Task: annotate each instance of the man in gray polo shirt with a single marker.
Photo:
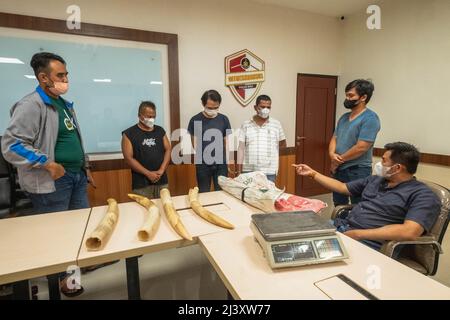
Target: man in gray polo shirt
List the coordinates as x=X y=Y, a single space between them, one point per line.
x=393 y=206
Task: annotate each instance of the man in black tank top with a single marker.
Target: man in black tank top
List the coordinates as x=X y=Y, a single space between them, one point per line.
x=147 y=149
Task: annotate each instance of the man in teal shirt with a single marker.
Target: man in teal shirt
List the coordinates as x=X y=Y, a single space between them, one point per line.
x=351 y=146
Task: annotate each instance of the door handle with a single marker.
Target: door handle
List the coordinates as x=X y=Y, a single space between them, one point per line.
x=300 y=138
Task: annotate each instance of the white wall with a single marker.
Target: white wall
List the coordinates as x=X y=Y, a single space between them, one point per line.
x=290 y=42
x=408 y=61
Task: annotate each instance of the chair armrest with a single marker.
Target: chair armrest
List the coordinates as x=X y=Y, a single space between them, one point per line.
x=339 y=210
x=389 y=247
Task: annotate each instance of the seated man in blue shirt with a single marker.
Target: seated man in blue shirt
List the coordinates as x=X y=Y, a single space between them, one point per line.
x=393 y=206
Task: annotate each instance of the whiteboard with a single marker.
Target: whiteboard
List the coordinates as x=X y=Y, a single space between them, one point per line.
x=108 y=79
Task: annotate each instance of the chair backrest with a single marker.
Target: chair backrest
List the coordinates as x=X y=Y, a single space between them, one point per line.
x=440 y=226
x=5 y=186
x=426 y=255
x=4 y=165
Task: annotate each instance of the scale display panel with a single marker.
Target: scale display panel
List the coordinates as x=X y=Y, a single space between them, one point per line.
x=289 y=252
x=328 y=248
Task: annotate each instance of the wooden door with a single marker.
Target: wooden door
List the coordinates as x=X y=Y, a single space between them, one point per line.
x=315 y=119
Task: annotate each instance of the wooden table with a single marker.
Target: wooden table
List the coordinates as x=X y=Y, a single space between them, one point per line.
x=40 y=245
x=124 y=243
x=239 y=261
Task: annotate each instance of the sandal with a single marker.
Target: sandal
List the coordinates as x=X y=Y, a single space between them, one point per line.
x=70 y=293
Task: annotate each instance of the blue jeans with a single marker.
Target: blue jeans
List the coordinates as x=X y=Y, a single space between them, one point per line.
x=206 y=172
x=70 y=194
x=346 y=175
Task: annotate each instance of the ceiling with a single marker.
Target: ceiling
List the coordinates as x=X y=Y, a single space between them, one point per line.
x=335 y=8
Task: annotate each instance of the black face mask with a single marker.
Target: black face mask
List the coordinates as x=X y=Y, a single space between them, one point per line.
x=350 y=104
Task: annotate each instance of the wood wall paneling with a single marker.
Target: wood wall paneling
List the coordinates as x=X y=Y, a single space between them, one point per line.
x=116 y=183
x=113 y=177
x=430 y=158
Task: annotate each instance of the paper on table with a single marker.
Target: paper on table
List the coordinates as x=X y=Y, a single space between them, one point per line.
x=339 y=287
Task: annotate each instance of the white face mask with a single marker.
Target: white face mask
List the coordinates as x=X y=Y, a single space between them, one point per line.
x=264 y=112
x=149 y=122
x=382 y=171
x=211 y=112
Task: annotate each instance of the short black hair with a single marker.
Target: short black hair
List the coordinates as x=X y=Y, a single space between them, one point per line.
x=146 y=104
x=405 y=154
x=262 y=97
x=362 y=87
x=211 y=95
x=40 y=61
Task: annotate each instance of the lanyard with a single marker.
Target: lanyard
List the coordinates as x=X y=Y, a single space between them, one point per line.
x=70 y=119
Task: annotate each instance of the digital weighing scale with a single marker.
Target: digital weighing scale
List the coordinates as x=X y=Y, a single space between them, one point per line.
x=297 y=238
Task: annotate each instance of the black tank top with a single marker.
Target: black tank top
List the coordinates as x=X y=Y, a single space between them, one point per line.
x=148 y=150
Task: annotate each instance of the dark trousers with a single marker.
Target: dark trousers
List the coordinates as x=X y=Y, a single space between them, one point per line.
x=207 y=172
x=346 y=175
x=342 y=227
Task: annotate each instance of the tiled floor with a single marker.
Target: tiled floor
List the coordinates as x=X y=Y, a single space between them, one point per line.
x=183 y=273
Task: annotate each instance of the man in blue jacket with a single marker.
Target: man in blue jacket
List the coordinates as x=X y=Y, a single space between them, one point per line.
x=43 y=141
